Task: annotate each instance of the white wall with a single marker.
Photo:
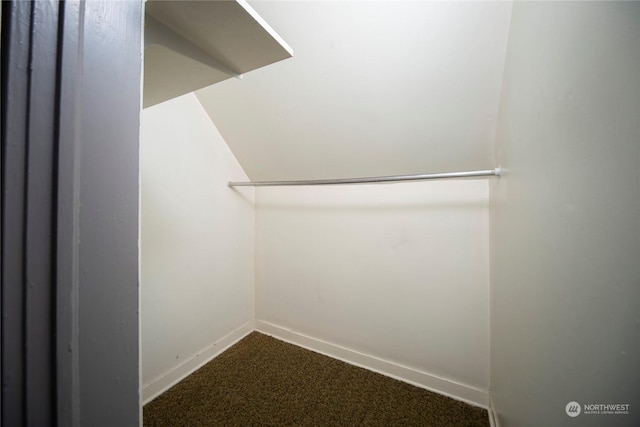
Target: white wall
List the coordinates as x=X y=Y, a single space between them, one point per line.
x=565 y=216
x=398 y=272
x=197 y=242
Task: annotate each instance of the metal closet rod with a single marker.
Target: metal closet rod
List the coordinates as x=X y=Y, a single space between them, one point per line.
x=372 y=179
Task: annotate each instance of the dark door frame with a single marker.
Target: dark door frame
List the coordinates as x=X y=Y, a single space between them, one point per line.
x=71 y=102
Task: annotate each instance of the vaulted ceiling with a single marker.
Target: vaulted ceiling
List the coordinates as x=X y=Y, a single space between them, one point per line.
x=373 y=88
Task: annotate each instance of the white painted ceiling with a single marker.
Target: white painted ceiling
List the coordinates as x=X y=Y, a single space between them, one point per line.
x=373 y=88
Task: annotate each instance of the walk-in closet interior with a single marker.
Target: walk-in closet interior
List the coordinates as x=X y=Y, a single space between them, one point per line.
x=514 y=287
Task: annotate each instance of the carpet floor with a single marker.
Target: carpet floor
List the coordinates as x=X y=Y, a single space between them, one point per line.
x=262 y=381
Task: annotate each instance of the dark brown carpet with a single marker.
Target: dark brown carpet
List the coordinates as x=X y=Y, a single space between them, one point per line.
x=262 y=381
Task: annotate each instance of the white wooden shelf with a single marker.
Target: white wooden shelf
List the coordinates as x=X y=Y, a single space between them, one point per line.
x=193 y=44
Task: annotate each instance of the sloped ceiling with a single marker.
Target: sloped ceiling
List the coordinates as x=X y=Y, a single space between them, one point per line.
x=373 y=88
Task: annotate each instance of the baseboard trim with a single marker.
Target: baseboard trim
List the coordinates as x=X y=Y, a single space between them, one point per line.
x=493 y=417
x=165 y=381
x=463 y=392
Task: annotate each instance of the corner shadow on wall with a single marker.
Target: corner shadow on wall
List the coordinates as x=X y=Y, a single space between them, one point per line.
x=243 y=193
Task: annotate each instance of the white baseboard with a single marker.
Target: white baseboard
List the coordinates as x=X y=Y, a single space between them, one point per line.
x=165 y=381
x=447 y=387
x=455 y=390
x=493 y=417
